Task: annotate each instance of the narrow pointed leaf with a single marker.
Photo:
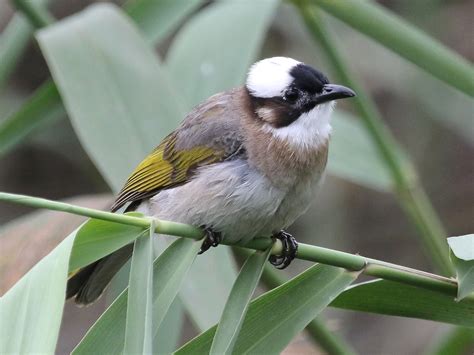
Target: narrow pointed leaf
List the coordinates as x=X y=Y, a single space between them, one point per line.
x=138 y=328
x=32 y=309
x=462 y=256
x=396 y=299
x=236 y=306
x=169 y=269
x=274 y=318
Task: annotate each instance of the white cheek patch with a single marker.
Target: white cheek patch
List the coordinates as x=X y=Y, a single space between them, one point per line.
x=270 y=77
x=309 y=131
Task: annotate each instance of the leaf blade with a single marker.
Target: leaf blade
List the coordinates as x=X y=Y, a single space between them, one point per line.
x=237 y=303
x=139 y=321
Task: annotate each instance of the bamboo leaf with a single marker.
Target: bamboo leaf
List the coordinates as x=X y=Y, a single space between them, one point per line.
x=169 y=269
x=212 y=69
x=462 y=256
x=408 y=41
x=104 y=91
x=156 y=19
x=456 y=341
x=237 y=303
x=33 y=308
x=396 y=299
x=139 y=322
x=43 y=107
x=274 y=318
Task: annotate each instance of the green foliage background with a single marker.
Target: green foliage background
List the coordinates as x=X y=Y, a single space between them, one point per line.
x=121 y=99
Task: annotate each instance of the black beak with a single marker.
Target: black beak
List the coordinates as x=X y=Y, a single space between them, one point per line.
x=334 y=92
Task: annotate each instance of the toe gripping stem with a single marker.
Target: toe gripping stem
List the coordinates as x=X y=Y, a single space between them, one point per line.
x=211 y=239
x=290 y=250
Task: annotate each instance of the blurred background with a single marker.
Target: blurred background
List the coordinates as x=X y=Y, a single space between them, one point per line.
x=432 y=121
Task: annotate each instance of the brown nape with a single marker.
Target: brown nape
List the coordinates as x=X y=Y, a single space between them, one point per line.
x=280 y=161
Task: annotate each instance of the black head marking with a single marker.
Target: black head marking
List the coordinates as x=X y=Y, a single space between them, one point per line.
x=308 y=79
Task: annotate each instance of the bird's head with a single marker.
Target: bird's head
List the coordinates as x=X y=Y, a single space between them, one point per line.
x=293 y=100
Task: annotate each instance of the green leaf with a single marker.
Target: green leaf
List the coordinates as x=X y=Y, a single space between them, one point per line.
x=98 y=238
x=396 y=299
x=33 y=308
x=237 y=303
x=222 y=40
x=169 y=269
x=353 y=156
x=41 y=108
x=139 y=322
x=409 y=42
x=274 y=318
x=462 y=256
x=156 y=19
x=116 y=102
x=169 y=333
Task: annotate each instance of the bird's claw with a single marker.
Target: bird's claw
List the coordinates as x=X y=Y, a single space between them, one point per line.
x=212 y=239
x=290 y=249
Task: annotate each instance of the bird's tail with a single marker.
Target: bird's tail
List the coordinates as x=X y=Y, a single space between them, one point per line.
x=88 y=284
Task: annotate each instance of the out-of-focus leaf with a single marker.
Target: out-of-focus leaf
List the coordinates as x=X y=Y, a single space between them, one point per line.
x=139 y=321
x=107 y=334
x=236 y=306
x=222 y=40
x=352 y=155
x=396 y=34
x=156 y=19
x=117 y=103
x=42 y=107
x=33 y=308
x=274 y=318
x=168 y=334
x=396 y=299
x=462 y=256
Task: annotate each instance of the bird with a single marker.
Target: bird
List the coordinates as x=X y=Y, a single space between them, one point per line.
x=244 y=163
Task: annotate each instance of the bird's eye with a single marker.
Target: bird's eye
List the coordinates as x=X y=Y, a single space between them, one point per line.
x=291 y=95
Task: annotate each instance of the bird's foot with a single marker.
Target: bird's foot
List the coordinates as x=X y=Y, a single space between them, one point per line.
x=290 y=249
x=212 y=239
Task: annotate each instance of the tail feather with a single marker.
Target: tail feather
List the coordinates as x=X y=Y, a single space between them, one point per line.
x=89 y=283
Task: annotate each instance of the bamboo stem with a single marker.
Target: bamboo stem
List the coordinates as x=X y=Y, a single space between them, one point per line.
x=308 y=252
x=406 y=182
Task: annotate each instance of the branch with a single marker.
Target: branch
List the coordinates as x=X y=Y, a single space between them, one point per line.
x=307 y=252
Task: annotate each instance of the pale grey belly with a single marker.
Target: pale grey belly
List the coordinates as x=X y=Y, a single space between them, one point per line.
x=232 y=198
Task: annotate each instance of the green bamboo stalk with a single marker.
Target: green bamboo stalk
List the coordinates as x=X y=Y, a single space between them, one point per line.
x=312 y=253
x=408 y=190
x=405 y=39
